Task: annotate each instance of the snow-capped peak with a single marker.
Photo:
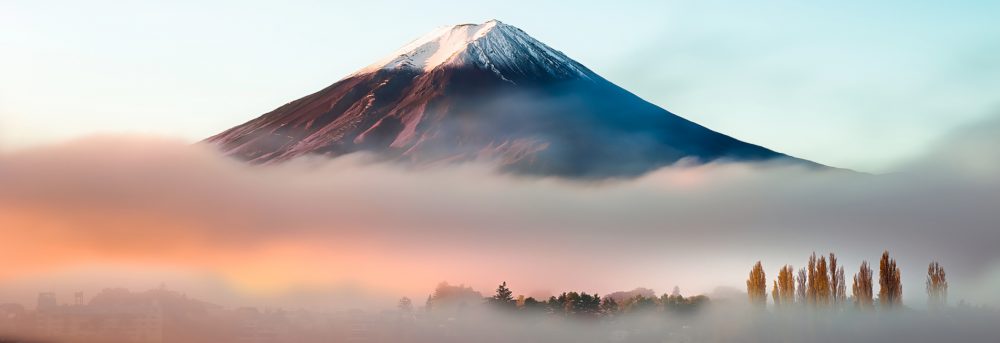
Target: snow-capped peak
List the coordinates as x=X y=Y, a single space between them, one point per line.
x=489 y=45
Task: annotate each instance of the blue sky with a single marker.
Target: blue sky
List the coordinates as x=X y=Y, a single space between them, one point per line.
x=848 y=83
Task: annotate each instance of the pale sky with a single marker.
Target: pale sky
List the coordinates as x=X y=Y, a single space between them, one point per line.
x=847 y=83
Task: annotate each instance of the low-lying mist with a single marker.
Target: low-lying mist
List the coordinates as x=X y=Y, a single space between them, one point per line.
x=718 y=322
x=140 y=211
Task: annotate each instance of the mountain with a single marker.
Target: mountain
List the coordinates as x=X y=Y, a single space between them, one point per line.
x=485 y=92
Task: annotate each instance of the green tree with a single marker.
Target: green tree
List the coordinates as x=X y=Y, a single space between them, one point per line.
x=609 y=307
x=531 y=305
x=565 y=304
x=680 y=304
x=503 y=297
x=569 y=301
x=575 y=304
x=588 y=305
x=556 y=305
x=639 y=304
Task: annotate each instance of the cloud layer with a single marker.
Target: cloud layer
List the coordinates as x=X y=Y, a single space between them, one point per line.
x=312 y=223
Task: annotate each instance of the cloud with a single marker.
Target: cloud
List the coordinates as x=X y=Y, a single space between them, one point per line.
x=969 y=151
x=314 y=222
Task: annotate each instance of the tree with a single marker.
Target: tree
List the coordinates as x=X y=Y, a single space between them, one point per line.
x=556 y=305
x=835 y=283
x=821 y=283
x=937 y=287
x=532 y=306
x=757 y=286
x=862 y=288
x=811 y=287
x=621 y=297
x=694 y=303
x=575 y=304
x=639 y=304
x=568 y=301
x=681 y=305
x=405 y=305
x=785 y=286
x=448 y=297
x=503 y=297
x=775 y=295
x=783 y=289
x=840 y=293
x=588 y=306
x=802 y=291
x=609 y=307
x=890 y=293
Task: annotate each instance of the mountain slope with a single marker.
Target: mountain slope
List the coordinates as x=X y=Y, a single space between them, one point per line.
x=485 y=92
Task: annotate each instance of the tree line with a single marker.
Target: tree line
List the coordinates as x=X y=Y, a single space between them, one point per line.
x=580 y=305
x=821 y=284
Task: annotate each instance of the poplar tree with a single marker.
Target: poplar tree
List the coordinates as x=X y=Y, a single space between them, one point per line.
x=841 y=290
x=811 y=287
x=890 y=293
x=862 y=288
x=785 y=286
x=937 y=287
x=822 y=283
x=802 y=291
x=835 y=283
x=775 y=296
x=757 y=286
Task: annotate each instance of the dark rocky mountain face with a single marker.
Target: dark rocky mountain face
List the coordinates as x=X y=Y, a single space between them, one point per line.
x=497 y=95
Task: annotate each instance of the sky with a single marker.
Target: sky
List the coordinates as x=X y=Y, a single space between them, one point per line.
x=100 y=101
x=852 y=84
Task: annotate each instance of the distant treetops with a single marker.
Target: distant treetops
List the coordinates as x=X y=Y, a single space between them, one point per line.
x=448 y=298
x=821 y=284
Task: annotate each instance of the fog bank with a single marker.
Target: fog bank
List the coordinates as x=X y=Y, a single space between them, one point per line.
x=186 y=214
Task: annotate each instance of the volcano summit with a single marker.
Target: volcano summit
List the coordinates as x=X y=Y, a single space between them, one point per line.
x=485 y=92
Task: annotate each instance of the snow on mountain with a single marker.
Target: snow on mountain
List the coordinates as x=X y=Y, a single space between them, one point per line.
x=486 y=45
